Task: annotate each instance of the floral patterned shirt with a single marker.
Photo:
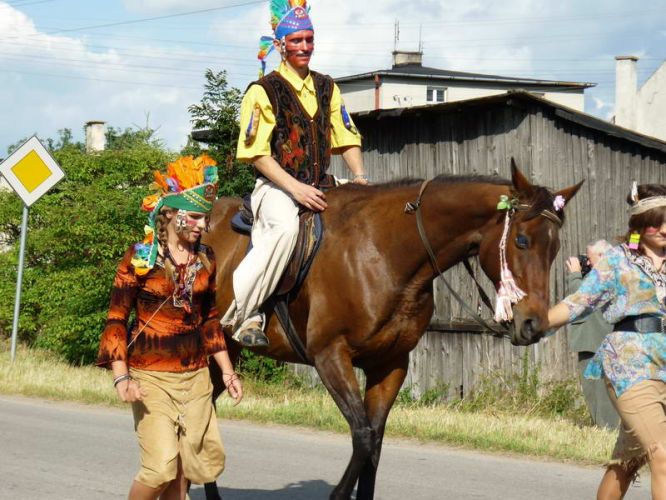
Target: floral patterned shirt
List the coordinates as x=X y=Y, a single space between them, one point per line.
x=624 y=283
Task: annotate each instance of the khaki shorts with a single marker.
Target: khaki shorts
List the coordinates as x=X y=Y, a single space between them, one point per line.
x=176 y=419
x=642 y=409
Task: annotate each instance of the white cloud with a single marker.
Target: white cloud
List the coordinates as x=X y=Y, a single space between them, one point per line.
x=565 y=40
x=62 y=82
x=157 y=7
x=601 y=105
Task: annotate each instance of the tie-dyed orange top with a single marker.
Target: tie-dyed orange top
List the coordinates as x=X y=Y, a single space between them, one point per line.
x=174 y=339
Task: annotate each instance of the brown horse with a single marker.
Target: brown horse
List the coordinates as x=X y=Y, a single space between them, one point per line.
x=368 y=297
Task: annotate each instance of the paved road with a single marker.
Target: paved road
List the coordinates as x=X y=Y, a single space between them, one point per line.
x=65 y=451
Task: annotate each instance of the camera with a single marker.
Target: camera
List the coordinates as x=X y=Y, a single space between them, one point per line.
x=585 y=265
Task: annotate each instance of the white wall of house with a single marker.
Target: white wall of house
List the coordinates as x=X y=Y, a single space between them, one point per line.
x=652 y=105
x=573 y=100
x=358 y=96
x=399 y=93
x=640 y=109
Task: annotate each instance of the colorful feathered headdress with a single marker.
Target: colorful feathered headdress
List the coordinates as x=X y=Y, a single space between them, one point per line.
x=189 y=184
x=287 y=16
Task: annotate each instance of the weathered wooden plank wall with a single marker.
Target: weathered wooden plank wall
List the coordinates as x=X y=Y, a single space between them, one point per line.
x=552 y=151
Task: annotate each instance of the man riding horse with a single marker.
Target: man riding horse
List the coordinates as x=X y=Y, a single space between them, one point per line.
x=292 y=120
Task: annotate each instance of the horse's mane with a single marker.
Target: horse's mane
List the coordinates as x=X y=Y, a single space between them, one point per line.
x=381 y=186
x=471 y=179
x=542 y=198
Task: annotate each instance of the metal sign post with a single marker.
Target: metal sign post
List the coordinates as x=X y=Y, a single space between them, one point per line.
x=19 y=280
x=31 y=171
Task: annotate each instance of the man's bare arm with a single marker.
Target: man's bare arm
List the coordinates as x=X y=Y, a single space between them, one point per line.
x=354 y=160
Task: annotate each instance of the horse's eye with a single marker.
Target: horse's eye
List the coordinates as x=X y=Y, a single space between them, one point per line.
x=522 y=241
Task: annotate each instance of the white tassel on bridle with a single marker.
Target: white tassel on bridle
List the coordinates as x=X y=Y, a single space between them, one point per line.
x=508 y=292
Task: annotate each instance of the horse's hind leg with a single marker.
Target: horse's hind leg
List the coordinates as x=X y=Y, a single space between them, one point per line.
x=335 y=369
x=382 y=386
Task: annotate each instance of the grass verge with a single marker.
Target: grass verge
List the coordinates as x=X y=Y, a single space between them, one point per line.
x=41 y=374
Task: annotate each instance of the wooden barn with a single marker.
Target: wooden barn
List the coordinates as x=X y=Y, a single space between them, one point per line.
x=556 y=147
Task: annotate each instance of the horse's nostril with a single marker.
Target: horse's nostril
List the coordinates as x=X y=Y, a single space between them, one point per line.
x=530 y=330
x=528 y=326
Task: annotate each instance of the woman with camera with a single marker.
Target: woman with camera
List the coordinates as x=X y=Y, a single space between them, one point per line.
x=586 y=334
x=628 y=285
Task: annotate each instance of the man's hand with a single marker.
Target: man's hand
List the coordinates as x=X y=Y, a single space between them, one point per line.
x=573 y=265
x=361 y=179
x=130 y=391
x=309 y=196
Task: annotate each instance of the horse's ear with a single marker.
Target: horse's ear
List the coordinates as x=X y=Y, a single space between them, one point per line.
x=519 y=181
x=570 y=192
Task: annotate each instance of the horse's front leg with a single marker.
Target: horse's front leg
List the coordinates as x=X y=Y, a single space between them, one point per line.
x=382 y=386
x=334 y=366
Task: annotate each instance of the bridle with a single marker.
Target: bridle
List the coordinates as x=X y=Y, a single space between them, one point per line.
x=496 y=329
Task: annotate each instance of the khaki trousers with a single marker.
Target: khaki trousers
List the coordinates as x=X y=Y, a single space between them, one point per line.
x=176 y=419
x=274 y=236
x=643 y=412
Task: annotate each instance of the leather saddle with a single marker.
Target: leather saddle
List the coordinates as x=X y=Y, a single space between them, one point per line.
x=310 y=234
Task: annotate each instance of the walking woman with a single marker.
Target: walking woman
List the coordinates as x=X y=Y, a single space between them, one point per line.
x=629 y=285
x=160 y=365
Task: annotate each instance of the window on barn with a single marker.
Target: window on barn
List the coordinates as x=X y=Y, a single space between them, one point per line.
x=435 y=94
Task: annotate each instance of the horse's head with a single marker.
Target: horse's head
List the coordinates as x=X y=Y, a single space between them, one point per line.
x=531 y=246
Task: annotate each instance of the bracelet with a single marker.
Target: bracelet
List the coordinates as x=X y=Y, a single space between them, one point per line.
x=120 y=378
x=230 y=378
x=361 y=176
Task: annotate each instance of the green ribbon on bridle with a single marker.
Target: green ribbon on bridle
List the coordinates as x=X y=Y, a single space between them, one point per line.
x=506 y=203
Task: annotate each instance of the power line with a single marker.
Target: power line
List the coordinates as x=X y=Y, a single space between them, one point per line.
x=86 y=64
x=13 y=6
x=196 y=69
x=154 y=18
x=192 y=57
x=132 y=82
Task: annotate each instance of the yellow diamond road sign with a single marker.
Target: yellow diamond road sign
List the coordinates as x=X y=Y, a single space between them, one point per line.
x=31 y=171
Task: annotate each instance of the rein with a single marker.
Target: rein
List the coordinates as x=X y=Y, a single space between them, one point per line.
x=498 y=330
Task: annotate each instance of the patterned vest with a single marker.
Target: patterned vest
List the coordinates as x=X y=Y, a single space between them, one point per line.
x=301 y=144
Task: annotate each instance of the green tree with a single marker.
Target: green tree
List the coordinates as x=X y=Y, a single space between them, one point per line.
x=65 y=140
x=128 y=138
x=218 y=114
x=77 y=234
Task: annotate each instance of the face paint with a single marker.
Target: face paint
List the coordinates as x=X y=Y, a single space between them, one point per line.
x=195 y=223
x=651 y=230
x=297 y=48
x=181 y=220
x=190 y=225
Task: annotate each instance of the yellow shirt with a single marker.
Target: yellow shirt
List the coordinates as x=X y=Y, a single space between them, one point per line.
x=341 y=137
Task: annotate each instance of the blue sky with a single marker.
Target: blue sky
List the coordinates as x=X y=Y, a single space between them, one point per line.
x=137 y=62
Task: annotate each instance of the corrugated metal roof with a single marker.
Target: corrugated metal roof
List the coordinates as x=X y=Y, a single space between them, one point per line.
x=519 y=98
x=423 y=72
